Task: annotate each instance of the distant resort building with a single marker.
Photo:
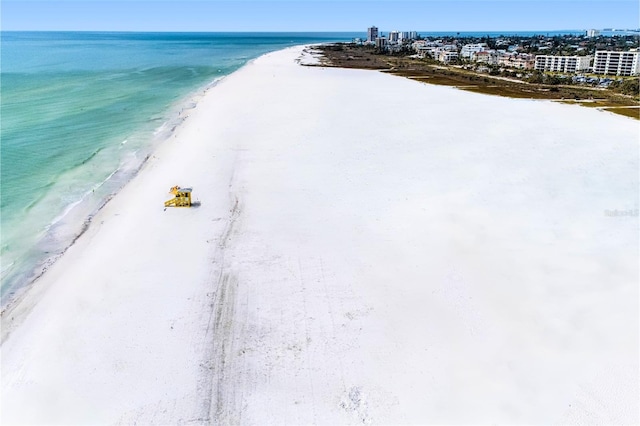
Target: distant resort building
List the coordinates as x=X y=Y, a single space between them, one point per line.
x=616 y=63
x=372 y=34
x=516 y=60
x=421 y=47
x=408 y=35
x=429 y=51
x=568 y=64
x=381 y=43
x=593 y=33
x=468 y=50
x=436 y=50
x=447 y=56
x=489 y=57
x=394 y=36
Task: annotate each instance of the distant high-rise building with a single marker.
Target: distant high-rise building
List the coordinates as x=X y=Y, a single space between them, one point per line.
x=408 y=35
x=381 y=43
x=394 y=36
x=372 y=34
x=616 y=63
x=562 y=63
x=593 y=33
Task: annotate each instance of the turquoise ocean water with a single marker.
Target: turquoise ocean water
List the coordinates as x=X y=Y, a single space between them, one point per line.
x=79 y=114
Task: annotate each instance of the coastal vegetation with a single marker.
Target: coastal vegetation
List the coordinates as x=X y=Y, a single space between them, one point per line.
x=621 y=96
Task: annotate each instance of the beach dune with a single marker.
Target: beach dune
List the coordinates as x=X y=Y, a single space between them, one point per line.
x=367 y=249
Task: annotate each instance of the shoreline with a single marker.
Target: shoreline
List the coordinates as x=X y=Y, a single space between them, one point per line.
x=20 y=281
x=343 y=267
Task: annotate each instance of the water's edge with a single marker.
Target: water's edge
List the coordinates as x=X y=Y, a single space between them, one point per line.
x=79 y=215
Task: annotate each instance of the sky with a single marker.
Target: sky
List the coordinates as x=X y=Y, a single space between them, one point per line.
x=317 y=15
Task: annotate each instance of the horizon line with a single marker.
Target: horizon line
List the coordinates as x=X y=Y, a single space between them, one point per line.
x=309 y=32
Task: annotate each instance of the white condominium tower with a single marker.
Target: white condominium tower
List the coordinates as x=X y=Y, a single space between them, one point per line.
x=616 y=63
x=562 y=63
x=372 y=34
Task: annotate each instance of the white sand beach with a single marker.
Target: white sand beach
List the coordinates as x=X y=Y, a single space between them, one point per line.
x=368 y=249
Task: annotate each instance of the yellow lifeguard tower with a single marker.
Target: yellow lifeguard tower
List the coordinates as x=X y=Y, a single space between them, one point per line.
x=182 y=197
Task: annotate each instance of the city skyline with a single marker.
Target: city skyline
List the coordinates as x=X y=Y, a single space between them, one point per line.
x=318 y=15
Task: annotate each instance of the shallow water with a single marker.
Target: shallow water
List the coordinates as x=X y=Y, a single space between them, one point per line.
x=81 y=111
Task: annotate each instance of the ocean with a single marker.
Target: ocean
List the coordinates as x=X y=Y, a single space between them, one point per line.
x=80 y=112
